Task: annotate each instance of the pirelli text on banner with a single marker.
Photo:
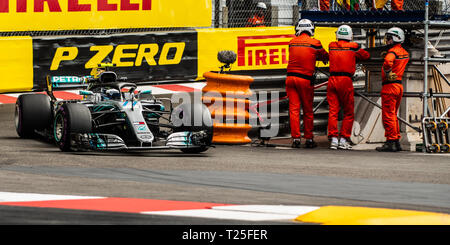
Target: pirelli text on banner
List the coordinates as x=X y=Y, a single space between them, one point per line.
x=42 y=15
x=144 y=57
x=263 y=50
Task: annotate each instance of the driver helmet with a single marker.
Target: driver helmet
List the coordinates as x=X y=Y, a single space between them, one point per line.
x=113 y=94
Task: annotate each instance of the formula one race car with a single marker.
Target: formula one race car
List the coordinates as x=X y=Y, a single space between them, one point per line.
x=112 y=115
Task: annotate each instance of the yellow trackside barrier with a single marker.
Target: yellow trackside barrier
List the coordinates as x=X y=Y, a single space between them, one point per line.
x=16 y=64
x=227 y=98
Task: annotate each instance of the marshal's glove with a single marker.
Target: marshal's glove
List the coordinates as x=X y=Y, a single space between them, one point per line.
x=391 y=77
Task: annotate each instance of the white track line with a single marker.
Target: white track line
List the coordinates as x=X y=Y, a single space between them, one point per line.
x=197 y=85
x=274 y=209
x=31 y=197
x=221 y=214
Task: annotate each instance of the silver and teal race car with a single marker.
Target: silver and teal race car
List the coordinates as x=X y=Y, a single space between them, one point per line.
x=112 y=115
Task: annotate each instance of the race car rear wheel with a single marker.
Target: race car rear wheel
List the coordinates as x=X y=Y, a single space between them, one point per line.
x=69 y=119
x=32 y=112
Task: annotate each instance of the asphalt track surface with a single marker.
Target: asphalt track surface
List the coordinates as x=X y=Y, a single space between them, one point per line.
x=225 y=174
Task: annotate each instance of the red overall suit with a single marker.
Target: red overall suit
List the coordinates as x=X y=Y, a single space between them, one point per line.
x=340 y=92
x=391 y=94
x=303 y=52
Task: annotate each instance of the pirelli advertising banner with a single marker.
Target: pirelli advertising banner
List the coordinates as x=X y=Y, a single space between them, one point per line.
x=146 y=57
x=256 y=48
x=16 y=64
x=45 y=15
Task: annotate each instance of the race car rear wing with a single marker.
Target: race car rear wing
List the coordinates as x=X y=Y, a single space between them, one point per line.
x=66 y=82
x=98 y=74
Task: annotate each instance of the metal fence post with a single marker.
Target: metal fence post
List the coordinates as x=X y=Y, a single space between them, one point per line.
x=225 y=17
x=274 y=21
x=295 y=14
x=425 y=80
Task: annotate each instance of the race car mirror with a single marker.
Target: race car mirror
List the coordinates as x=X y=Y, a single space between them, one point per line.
x=86 y=92
x=145 y=92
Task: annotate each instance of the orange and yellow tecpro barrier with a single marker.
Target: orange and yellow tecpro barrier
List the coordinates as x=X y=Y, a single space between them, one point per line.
x=227 y=97
x=45 y=15
x=16 y=64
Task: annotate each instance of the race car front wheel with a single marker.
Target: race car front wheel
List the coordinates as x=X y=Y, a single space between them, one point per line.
x=71 y=118
x=194 y=117
x=32 y=112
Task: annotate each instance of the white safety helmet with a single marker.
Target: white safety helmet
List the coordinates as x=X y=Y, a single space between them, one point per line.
x=304 y=25
x=344 y=32
x=397 y=34
x=261 y=5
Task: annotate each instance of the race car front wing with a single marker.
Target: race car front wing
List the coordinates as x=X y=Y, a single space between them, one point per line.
x=108 y=142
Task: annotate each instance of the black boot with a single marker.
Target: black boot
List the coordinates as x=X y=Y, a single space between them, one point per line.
x=388 y=146
x=296 y=143
x=310 y=143
x=397 y=145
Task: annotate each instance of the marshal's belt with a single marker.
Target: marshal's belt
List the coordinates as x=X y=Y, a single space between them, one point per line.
x=390 y=82
x=295 y=74
x=342 y=74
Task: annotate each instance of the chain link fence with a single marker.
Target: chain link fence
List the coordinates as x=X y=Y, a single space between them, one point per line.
x=249 y=13
x=238 y=13
x=372 y=5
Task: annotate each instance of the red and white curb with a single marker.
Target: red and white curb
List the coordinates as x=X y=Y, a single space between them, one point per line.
x=328 y=215
x=243 y=212
x=156 y=90
x=156 y=207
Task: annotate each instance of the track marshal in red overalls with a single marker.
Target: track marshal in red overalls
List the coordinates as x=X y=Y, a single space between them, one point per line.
x=344 y=54
x=392 y=72
x=303 y=53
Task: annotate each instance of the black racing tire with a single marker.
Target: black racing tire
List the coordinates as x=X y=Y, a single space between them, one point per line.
x=186 y=117
x=70 y=118
x=32 y=112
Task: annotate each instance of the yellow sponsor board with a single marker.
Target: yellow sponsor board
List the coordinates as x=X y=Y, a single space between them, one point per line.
x=40 y=15
x=16 y=64
x=256 y=48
